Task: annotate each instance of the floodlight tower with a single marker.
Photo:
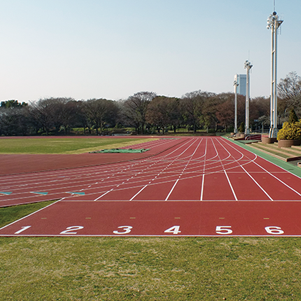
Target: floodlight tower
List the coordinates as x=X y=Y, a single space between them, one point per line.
x=235 y=84
x=248 y=66
x=273 y=23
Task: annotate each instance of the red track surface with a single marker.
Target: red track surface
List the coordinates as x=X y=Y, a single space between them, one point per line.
x=198 y=186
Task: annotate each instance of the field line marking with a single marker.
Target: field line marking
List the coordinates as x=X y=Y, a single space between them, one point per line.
x=103 y=195
x=266 y=171
x=164 y=168
x=204 y=170
x=278 y=179
x=183 y=170
x=138 y=193
x=29 y=215
x=160 y=159
x=250 y=174
x=257 y=183
x=229 y=182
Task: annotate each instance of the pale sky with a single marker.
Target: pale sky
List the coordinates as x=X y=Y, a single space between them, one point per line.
x=114 y=48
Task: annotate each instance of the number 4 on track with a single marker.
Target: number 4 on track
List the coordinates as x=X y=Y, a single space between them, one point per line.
x=173 y=230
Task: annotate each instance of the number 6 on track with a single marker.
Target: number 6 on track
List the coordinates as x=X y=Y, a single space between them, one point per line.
x=223 y=230
x=274 y=230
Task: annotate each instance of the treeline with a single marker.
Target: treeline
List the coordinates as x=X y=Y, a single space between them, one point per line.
x=147 y=112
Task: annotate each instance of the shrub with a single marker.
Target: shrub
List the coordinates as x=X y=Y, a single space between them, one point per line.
x=293 y=116
x=290 y=131
x=241 y=128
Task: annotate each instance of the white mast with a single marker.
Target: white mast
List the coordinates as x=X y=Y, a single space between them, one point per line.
x=248 y=66
x=235 y=84
x=273 y=23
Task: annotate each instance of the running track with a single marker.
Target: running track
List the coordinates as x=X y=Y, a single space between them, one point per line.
x=203 y=186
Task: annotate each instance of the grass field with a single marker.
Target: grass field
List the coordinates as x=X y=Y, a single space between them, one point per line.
x=104 y=268
x=62 y=145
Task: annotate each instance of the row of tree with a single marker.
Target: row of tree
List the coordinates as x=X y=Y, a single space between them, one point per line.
x=145 y=111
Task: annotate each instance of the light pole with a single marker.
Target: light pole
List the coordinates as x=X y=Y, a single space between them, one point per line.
x=235 y=84
x=273 y=23
x=248 y=66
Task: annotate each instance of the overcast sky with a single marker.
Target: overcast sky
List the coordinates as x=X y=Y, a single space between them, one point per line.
x=114 y=48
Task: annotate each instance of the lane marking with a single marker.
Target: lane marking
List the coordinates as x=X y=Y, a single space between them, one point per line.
x=229 y=182
x=248 y=172
x=103 y=195
x=183 y=170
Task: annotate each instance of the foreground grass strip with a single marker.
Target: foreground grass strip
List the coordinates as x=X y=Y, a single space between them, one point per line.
x=13 y=213
x=61 y=145
x=80 y=268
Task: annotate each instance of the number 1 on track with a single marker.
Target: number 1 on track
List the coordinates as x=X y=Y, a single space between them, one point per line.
x=22 y=229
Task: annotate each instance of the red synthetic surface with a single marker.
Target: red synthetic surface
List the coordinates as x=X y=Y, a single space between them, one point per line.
x=199 y=186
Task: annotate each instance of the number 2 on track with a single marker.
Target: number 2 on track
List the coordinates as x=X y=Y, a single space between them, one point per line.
x=70 y=229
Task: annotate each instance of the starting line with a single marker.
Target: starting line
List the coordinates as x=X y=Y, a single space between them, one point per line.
x=114 y=218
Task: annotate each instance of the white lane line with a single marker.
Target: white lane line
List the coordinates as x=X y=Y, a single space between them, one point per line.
x=278 y=179
x=171 y=190
x=138 y=192
x=241 y=166
x=165 y=168
x=103 y=195
x=257 y=183
x=229 y=182
x=175 y=184
x=204 y=170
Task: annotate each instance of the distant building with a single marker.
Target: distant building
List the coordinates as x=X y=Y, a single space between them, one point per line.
x=242 y=83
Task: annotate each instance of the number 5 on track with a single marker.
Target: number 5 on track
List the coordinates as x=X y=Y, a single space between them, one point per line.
x=173 y=230
x=223 y=230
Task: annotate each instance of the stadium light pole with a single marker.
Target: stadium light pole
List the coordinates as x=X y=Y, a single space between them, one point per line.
x=248 y=66
x=235 y=105
x=273 y=23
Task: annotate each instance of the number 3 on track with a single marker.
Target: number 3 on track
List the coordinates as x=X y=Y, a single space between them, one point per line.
x=127 y=229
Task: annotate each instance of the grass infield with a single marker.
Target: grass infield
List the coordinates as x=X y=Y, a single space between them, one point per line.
x=114 y=268
x=62 y=145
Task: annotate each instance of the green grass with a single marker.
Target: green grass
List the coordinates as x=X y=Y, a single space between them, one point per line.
x=107 y=268
x=58 y=145
x=12 y=213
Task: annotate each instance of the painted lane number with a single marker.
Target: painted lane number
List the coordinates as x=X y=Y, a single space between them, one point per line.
x=223 y=230
x=173 y=230
x=22 y=229
x=71 y=229
x=126 y=230
x=274 y=230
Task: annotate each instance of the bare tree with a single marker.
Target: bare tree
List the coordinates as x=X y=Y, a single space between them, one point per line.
x=162 y=112
x=289 y=89
x=135 y=108
x=100 y=111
